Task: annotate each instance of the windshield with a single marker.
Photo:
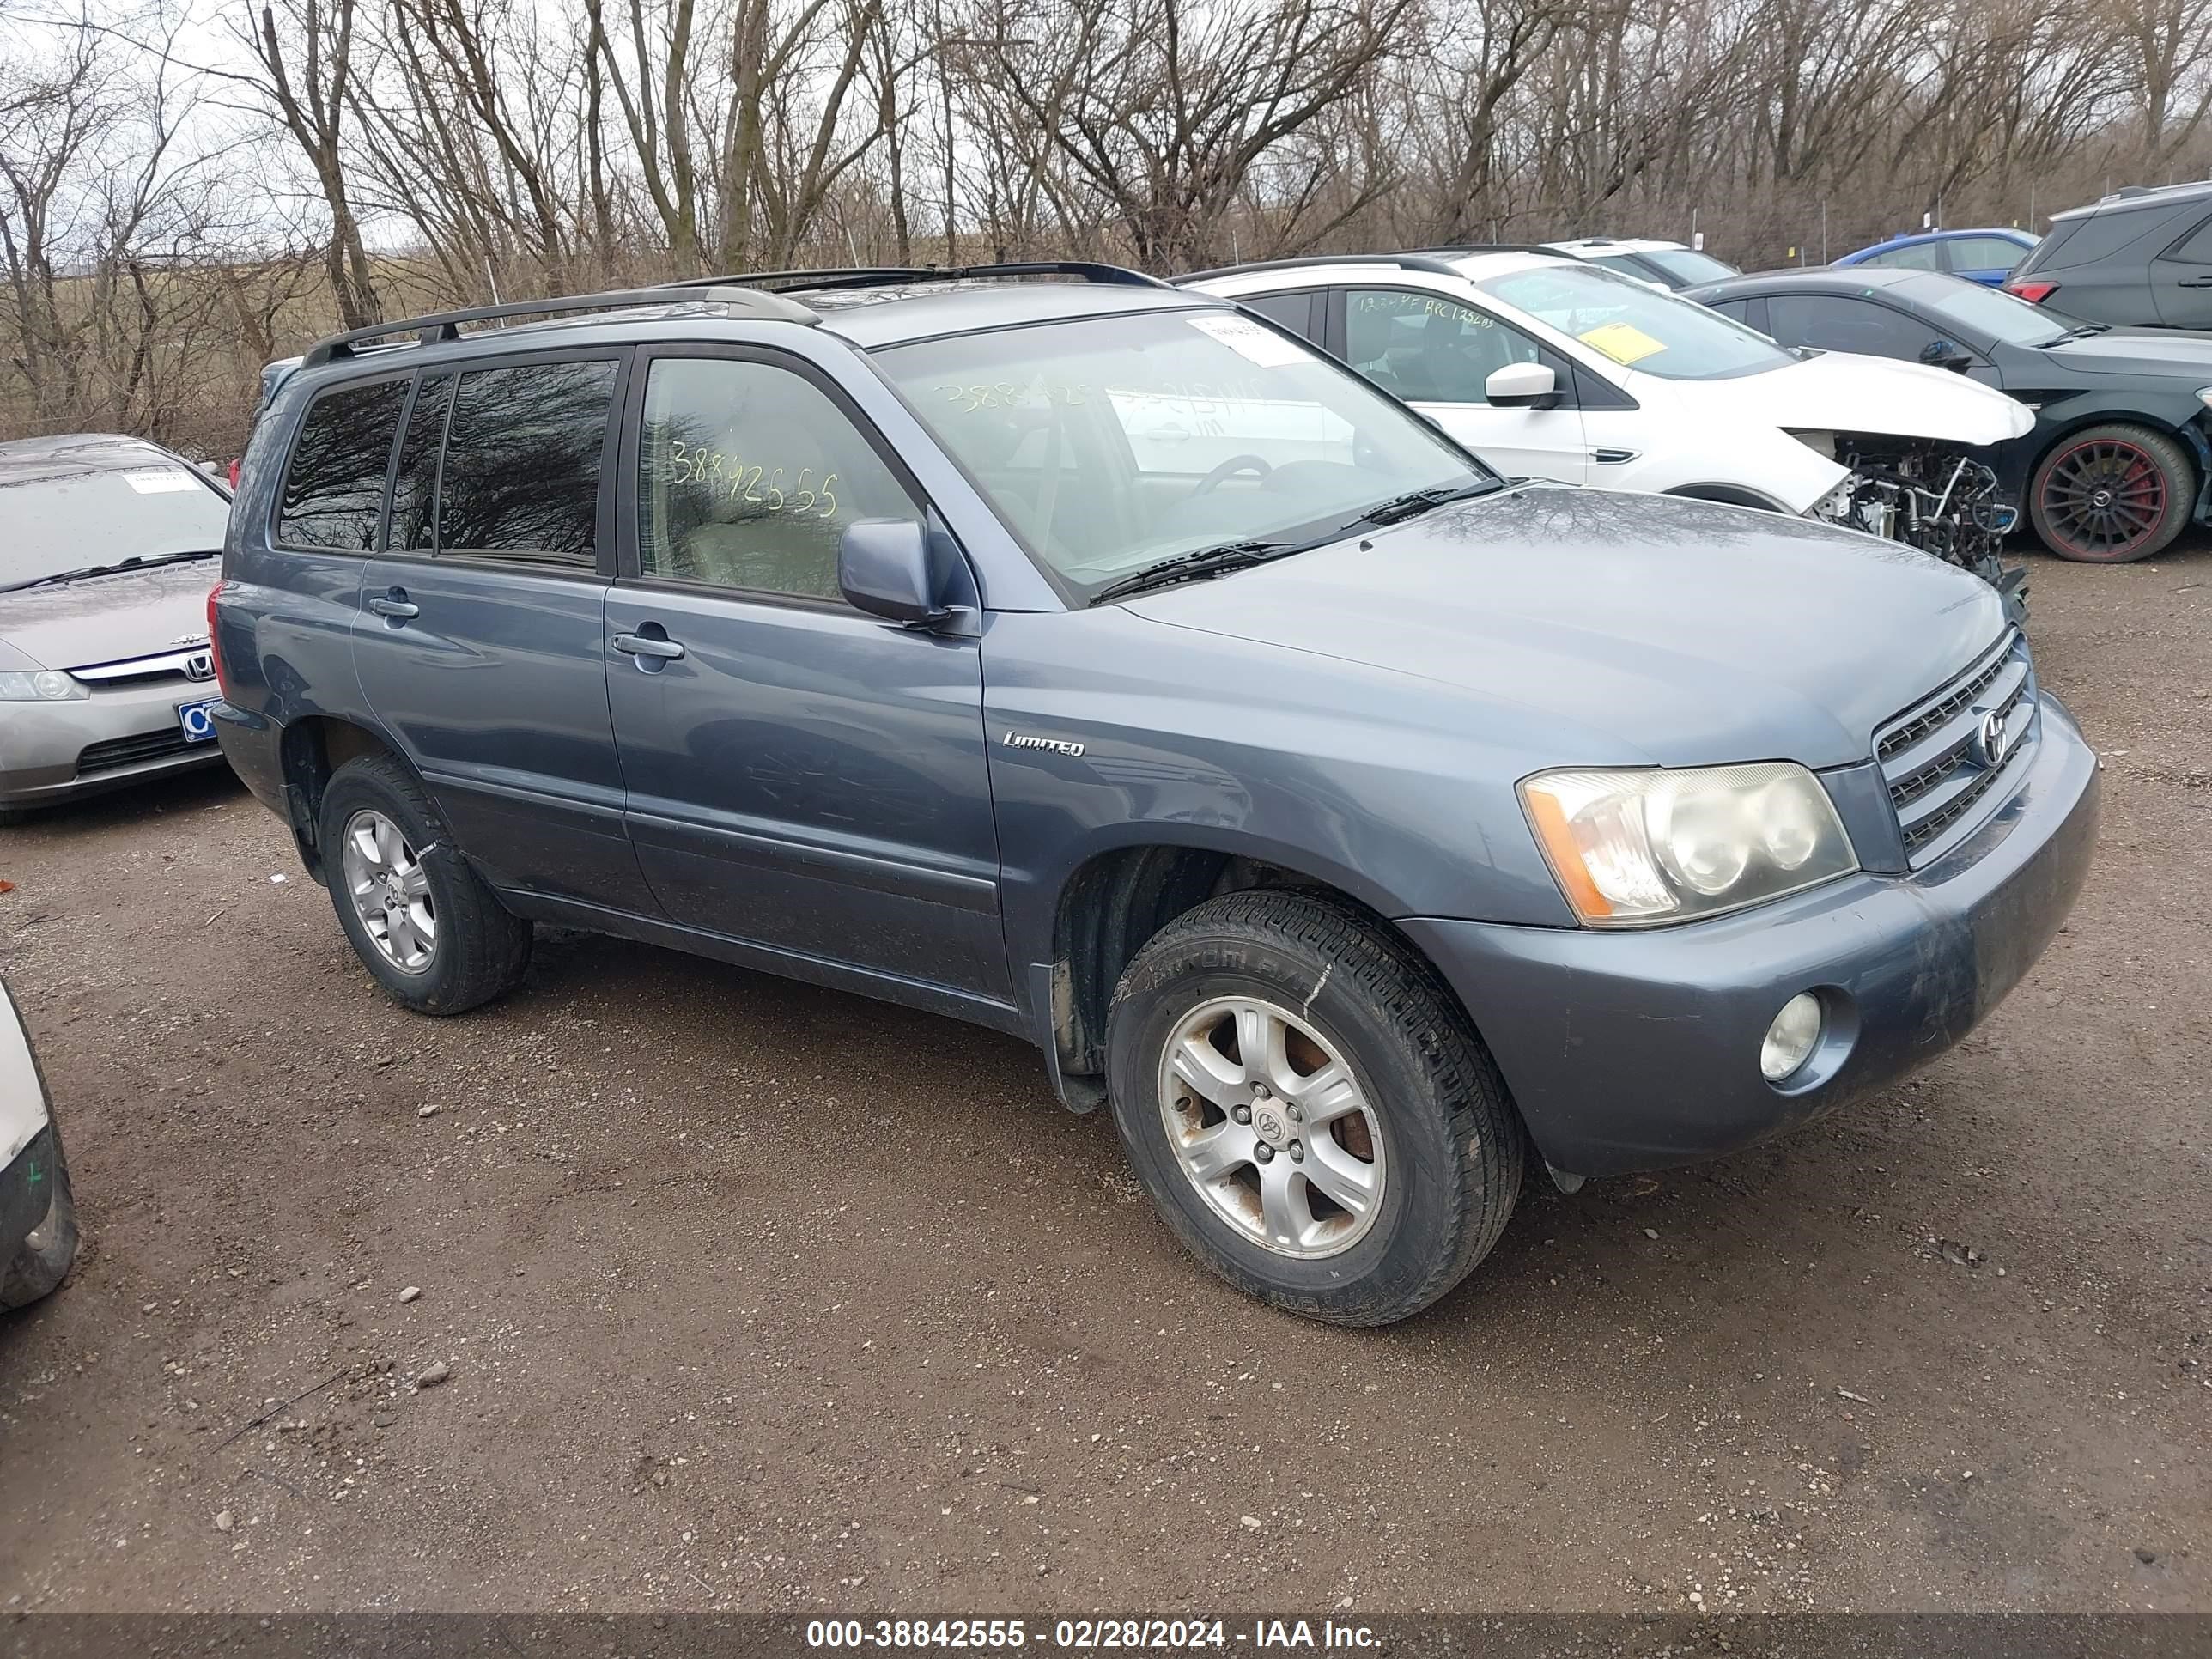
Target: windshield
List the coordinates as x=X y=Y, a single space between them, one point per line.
x=1111 y=443
x=1636 y=324
x=1688 y=267
x=1988 y=311
x=53 y=524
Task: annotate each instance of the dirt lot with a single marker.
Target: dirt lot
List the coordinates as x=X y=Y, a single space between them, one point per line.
x=755 y=1295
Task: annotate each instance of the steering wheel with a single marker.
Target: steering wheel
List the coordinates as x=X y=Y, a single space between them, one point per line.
x=1229 y=469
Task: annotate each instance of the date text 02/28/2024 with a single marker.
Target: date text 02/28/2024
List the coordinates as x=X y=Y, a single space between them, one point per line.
x=1086 y=1635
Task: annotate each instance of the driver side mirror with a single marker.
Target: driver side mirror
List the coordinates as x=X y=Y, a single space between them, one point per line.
x=883 y=568
x=1522 y=386
x=1943 y=353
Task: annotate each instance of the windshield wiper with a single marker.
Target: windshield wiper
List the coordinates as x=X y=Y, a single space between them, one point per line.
x=2082 y=332
x=135 y=562
x=1414 y=502
x=1194 y=566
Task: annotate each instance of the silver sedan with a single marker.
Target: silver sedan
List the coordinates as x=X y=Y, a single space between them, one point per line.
x=108 y=550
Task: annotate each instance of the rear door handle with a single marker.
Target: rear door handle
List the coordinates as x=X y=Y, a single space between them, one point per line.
x=394 y=603
x=643 y=645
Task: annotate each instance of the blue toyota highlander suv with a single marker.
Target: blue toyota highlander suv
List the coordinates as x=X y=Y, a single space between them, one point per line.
x=1091 y=660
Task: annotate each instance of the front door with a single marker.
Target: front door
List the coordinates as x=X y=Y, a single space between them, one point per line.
x=481 y=640
x=801 y=776
x=1435 y=353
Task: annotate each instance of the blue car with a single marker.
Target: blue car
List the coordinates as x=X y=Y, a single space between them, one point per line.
x=1096 y=662
x=1980 y=256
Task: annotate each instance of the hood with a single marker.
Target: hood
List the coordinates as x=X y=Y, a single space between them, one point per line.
x=137 y=613
x=1836 y=391
x=2179 y=352
x=1645 y=630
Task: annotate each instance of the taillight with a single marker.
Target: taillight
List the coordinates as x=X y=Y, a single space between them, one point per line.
x=2034 y=293
x=214 y=641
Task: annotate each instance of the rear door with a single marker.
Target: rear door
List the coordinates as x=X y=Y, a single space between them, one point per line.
x=801 y=776
x=1437 y=353
x=2181 y=279
x=481 y=639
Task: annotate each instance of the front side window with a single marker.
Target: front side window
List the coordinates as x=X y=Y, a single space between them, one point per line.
x=1920 y=256
x=748 y=475
x=1110 y=443
x=334 y=488
x=1834 y=324
x=1635 y=325
x=521 y=474
x=1426 y=349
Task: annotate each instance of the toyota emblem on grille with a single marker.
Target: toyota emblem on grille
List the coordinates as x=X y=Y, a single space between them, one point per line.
x=1993 y=738
x=200 y=666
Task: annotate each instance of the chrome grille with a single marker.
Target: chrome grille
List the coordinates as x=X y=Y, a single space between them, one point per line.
x=1935 y=757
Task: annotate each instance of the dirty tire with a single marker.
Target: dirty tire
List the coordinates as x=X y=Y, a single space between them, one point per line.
x=1453 y=1143
x=42 y=1261
x=2141 y=460
x=482 y=947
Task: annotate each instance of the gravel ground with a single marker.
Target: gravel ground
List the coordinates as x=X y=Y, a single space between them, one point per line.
x=753 y=1295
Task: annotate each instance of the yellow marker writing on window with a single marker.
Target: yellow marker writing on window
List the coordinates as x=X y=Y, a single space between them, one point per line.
x=1622 y=341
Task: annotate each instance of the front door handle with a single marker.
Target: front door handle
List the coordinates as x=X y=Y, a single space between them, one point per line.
x=645 y=645
x=395 y=603
x=2195 y=282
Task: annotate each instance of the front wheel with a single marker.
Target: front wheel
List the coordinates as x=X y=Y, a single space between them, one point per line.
x=2110 y=495
x=1308 y=1108
x=42 y=1260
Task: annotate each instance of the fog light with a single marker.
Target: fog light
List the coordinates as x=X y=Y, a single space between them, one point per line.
x=1791 y=1038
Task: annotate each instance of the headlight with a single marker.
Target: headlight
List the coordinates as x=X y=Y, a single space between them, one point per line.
x=2204 y=396
x=45 y=685
x=1634 y=848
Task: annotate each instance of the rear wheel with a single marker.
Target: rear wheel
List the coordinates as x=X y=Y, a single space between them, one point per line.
x=2112 y=494
x=423 y=923
x=1309 y=1108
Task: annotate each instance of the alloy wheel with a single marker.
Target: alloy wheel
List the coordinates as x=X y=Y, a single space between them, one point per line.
x=1271 y=1127
x=2104 y=498
x=391 y=892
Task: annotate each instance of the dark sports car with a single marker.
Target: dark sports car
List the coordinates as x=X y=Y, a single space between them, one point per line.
x=2120 y=459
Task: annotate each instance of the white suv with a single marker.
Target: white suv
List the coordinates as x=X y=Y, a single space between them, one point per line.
x=1552 y=368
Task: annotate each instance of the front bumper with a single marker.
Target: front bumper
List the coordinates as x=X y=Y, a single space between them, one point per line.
x=1634 y=1051
x=56 y=752
x=27 y=1191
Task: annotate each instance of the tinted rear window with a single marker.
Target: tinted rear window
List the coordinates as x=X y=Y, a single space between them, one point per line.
x=521 y=476
x=334 y=488
x=76 y=518
x=2100 y=237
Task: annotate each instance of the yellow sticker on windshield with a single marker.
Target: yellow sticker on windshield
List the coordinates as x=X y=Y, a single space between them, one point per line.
x=1622 y=341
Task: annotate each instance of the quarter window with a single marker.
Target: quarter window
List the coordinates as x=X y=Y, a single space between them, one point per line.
x=1426 y=349
x=748 y=475
x=1294 y=310
x=334 y=486
x=521 y=473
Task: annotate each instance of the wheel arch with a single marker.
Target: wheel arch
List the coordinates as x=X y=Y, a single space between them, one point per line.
x=1113 y=903
x=1727 y=494
x=313 y=749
